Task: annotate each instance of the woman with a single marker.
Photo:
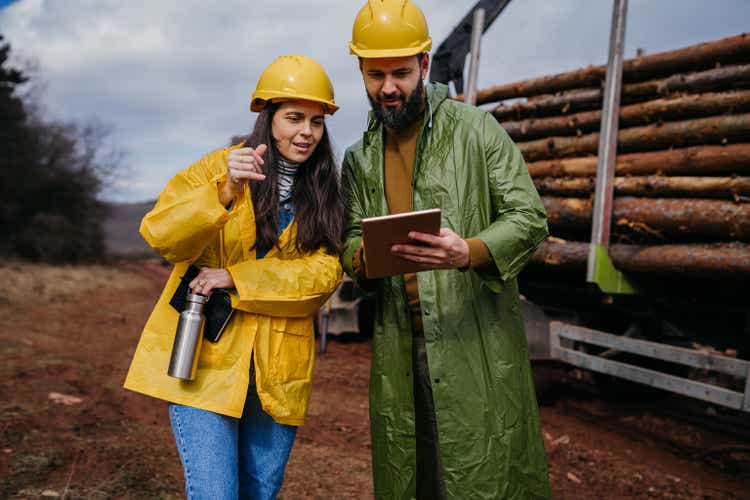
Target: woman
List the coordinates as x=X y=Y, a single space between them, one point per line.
x=263 y=218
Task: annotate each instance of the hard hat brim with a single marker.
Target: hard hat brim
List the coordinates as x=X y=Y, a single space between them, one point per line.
x=260 y=100
x=383 y=53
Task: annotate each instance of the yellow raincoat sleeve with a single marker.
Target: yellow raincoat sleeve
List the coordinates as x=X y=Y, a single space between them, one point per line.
x=188 y=214
x=294 y=288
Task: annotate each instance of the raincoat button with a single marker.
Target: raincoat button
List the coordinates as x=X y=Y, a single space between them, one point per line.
x=437 y=380
x=426 y=312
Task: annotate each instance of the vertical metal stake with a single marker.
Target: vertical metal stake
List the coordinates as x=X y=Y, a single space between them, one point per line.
x=323 y=331
x=605 y=169
x=476 y=43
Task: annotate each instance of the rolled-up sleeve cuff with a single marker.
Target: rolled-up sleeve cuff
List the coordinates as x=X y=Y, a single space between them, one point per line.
x=479 y=254
x=358 y=261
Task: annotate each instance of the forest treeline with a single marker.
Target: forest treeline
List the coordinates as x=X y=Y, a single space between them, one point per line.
x=51 y=174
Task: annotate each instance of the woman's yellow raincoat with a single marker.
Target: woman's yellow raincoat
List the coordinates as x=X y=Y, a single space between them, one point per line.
x=277 y=298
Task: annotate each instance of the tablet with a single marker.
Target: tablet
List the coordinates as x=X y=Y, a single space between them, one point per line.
x=379 y=234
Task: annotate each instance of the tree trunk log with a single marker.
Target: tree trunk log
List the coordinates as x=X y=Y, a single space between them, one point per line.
x=727 y=77
x=713 y=130
x=704 y=55
x=549 y=105
x=737 y=188
x=696 y=259
x=561 y=254
x=661 y=216
x=697 y=160
x=670 y=108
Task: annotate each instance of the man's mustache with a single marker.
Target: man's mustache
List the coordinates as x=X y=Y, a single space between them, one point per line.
x=391 y=98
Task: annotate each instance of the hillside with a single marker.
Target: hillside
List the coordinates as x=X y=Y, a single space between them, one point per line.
x=121 y=230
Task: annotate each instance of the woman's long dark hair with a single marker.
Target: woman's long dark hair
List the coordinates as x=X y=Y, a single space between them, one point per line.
x=316 y=195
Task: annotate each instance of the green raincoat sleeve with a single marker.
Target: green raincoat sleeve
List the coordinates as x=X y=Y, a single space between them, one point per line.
x=353 y=225
x=520 y=222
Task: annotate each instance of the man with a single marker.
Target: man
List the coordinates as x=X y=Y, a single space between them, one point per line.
x=452 y=407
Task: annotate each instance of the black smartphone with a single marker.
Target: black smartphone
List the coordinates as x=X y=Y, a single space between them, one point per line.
x=218 y=313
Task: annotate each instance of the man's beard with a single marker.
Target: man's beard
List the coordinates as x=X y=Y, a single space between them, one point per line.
x=398 y=118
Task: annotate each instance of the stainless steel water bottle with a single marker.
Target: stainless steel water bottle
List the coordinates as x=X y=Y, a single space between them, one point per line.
x=187 y=339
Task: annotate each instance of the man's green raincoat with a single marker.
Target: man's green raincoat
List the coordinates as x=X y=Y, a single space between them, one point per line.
x=487 y=417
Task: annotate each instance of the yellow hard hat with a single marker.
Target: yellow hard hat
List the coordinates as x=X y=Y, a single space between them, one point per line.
x=293 y=77
x=390 y=28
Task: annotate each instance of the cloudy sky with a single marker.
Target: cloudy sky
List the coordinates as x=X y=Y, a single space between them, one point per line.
x=174 y=77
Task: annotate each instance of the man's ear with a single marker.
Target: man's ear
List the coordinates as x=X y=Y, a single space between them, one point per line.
x=360 y=64
x=425 y=65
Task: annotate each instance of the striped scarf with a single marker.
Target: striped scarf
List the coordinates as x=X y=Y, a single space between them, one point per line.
x=287 y=170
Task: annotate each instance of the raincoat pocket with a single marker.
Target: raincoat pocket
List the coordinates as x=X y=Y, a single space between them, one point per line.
x=294 y=346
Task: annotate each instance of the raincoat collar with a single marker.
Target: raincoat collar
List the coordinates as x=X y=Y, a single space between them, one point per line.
x=436 y=94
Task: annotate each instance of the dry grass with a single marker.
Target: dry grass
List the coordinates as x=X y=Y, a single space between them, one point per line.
x=24 y=282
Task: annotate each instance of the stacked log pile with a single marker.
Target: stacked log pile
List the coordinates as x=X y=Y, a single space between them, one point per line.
x=682 y=185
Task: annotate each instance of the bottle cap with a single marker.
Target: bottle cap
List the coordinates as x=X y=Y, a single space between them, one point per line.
x=197 y=298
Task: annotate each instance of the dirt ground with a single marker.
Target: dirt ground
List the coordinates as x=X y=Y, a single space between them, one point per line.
x=68 y=429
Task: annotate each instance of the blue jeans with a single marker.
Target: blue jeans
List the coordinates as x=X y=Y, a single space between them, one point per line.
x=229 y=458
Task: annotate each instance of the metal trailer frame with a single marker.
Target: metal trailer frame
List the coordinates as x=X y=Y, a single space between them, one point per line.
x=564 y=338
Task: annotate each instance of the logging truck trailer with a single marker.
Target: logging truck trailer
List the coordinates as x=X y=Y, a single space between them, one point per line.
x=644 y=169
x=646 y=274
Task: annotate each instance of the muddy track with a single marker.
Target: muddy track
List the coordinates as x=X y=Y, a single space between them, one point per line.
x=95 y=440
